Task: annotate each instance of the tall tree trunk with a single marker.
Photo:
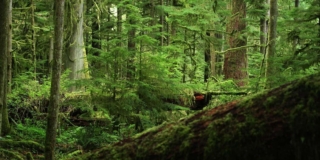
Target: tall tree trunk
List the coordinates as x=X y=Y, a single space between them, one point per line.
x=271 y=73
x=76 y=57
x=34 y=53
x=4 y=26
x=207 y=58
x=7 y=89
x=161 y=21
x=184 y=65
x=51 y=54
x=53 y=112
x=296 y=38
x=9 y=74
x=235 y=61
x=263 y=28
x=117 y=53
x=131 y=46
x=210 y=55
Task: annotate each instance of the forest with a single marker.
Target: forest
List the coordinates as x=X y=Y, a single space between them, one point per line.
x=160 y=79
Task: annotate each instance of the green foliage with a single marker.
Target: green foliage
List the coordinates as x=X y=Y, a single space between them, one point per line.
x=92 y=137
x=31 y=130
x=168 y=61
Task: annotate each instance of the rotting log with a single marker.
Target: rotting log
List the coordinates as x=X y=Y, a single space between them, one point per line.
x=282 y=123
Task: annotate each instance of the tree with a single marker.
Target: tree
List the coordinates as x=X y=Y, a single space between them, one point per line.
x=241 y=129
x=10 y=47
x=76 y=57
x=235 y=60
x=271 y=71
x=53 y=111
x=131 y=42
x=263 y=26
x=4 y=27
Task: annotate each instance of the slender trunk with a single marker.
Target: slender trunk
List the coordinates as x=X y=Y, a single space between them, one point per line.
x=53 y=112
x=51 y=54
x=167 y=27
x=119 y=45
x=34 y=54
x=263 y=29
x=9 y=50
x=271 y=73
x=296 y=38
x=192 y=57
x=162 y=25
x=184 y=67
x=207 y=58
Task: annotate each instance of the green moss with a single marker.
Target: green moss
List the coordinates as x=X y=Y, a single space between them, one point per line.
x=6 y=154
x=269 y=101
x=26 y=144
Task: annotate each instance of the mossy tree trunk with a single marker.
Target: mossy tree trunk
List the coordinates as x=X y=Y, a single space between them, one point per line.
x=5 y=119
x=282 y=123
x=76 y=56
x=4 y=26
x=235 y=61
x=52 y=123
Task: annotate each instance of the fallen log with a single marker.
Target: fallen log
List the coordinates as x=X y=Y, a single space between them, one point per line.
x=282 y=123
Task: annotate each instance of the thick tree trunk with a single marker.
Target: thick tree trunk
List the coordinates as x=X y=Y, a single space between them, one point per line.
x=51 y=131
x=76 y=57
x=4 y=26
x=279 y=124
x=235 y=61
x=7 y=89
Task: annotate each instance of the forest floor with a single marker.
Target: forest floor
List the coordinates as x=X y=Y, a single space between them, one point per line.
x=282 y=123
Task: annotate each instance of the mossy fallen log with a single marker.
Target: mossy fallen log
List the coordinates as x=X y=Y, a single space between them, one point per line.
x=34 y=146
x=11 y=149
x=6 y=154
x=282 y=123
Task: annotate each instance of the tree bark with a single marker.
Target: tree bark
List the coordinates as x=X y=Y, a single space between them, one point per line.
x=76 y=57
x=235 y=62
x=34 y=53
x=53 y=112
x=263 y=28
x=271 y=72
x=4 y=27
x=279 y=124
x=208 y=70
x=9 y=74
